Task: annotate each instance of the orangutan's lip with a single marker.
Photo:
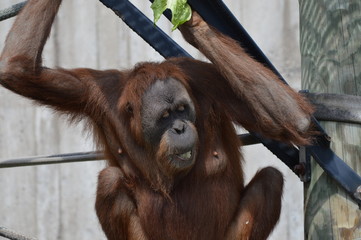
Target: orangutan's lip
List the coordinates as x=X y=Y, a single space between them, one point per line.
x=185 y=156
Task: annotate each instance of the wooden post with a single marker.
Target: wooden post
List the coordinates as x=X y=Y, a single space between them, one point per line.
x=331 y=63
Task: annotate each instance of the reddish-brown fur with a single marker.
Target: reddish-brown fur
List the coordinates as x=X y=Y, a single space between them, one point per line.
x=135 y=200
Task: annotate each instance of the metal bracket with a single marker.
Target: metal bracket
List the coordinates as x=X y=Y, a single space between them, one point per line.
x=304 y=169
x=337 y=169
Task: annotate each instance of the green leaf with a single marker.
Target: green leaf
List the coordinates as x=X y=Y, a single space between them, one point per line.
x=158 y=6
x=181 y=11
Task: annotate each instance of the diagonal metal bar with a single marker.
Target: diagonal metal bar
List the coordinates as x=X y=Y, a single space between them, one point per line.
x=217 y=14
x=145 y=28
x=11 y=11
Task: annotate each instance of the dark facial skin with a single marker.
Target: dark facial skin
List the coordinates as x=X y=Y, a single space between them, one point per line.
x=168 y=118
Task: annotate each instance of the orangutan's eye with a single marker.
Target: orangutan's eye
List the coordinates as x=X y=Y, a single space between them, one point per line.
x=165 y=114
x=181 y=108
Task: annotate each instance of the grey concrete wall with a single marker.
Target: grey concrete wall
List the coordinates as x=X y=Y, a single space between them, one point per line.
x=56 y=201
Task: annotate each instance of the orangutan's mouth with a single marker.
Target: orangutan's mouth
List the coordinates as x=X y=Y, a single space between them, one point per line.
x=185 y=156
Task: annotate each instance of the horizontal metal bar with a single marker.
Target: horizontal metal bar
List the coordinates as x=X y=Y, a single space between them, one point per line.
x=52 y=159
x=246 y=139
x=336 y=107
x=9 y=234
